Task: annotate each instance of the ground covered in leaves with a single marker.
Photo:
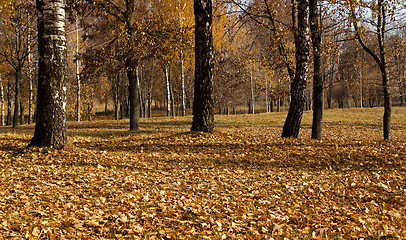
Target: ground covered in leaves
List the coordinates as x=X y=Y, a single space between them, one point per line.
x=241 y=182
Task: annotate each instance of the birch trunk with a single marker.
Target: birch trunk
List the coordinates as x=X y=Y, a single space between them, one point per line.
x=291 y=127
x=77 y=73
x=51 y=127
x=168 y=92
x=30 y=84
x=182 y=80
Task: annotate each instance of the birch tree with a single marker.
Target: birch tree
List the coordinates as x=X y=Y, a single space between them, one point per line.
x=293 y=120
x=51 y=127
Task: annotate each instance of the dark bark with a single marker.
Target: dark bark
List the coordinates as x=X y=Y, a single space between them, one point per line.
x=51 y=127
x=116 y=96
x=387 y=102
x=106 y=106
x=133 y=97
x=21 y=113
x=317 y=74
x=131 y=66
x=18 y=75
x=149 y=105
x=203 y=115
x=9 y=116
x=294 y=118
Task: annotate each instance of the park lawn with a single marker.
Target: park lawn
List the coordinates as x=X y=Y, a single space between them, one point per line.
x=241 y=182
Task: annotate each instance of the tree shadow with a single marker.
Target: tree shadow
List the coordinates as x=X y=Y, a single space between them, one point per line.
x=167 y=149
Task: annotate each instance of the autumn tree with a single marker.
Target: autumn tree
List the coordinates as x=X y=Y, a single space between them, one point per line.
x=51 y=126
x=203 y=115
x=15 y=47
x=293 y=120
x=382 y=11
x=123 y=14
x=318 y=97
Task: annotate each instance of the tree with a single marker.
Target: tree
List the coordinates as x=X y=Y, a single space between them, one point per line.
x=15 y=44
x=130 y=22
x=2 y=115
x=51 y=127
x=379 y=14
x=318 y=96
x=203 y=116
x=293 y=120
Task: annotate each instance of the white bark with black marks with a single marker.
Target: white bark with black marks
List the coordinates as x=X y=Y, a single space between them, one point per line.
x=51 y=126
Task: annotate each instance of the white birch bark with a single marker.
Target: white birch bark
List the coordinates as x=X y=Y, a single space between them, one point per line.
x=77 y=73
x=51 y=126
x=168 y=92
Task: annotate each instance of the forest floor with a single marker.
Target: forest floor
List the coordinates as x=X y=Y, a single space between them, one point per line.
x=241 y=182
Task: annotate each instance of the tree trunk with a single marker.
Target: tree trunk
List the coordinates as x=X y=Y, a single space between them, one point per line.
x=89 y=110
x=252 y=102
x=116 y=97
x=403 y=88
x=131 y=65
x=149 y=104
x=51 y=127
x=266 y=95
x=380 y=60
x=122 y=110
x=387 y=103
x=133 y=95
x=140 y=97
x=21 y=113
x=318 y=96
x=17 y=96
x=106 y=105
x=294 y=118
x=3 y=119
x=203 y=115
x=9 y=116
x=168 y=92
x=182 y=80
x=30 y=84
x=359 y=68
x=77 y=63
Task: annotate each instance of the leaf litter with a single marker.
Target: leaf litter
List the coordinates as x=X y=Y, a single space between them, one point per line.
x=237 y=183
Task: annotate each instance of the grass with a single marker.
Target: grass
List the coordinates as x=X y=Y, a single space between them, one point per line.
x=241 y=182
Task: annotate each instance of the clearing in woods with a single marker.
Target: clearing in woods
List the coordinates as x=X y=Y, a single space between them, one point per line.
x=241 y=182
